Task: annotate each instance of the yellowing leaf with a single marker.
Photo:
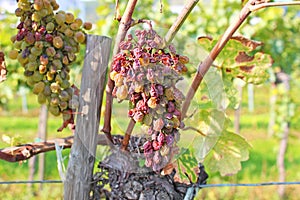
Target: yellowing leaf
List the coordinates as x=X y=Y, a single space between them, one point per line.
x=237 y=59
x=251 y=69
x=211 y=124
x=228 y=153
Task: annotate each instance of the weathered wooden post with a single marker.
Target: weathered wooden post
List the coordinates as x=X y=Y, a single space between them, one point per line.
x=82 y=157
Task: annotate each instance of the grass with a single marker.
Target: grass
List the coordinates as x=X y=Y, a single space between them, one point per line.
x=261 y=167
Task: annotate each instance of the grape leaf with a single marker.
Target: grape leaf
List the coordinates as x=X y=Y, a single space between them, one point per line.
x=215 y=88
x=220 y=90
x=227 y=154
x=187 y=163
x=251 y=69
x=209 y=123
x=236 y=59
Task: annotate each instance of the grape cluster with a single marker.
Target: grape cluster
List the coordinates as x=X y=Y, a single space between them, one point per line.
x=146 y=75
x=45 y=45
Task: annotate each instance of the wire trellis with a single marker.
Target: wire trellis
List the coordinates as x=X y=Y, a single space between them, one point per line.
x=201 y=186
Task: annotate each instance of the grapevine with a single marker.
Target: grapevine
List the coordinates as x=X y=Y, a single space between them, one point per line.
x=146 y=75
x=46 y=45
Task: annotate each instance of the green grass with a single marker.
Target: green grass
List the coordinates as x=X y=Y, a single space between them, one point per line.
x=261 y=167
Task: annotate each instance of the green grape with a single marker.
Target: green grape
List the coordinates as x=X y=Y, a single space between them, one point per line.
x=54 y=110
x=32 y=66
x=38 y=87
x=32 y=58
x=24 y=45
x=37 y=76
x=22 y=61
x=18 y=44
x=50 y=27
x=42 y=98
x=47 y=90
x=65 y=84
x=13 y=38
x=13 y=54
x=36 y=17
x=19 y=12
x=43 y=12
x=25 y=6
x=64 y=95
x=57 y=63
x=63 y=105
x=74 y=103
x=29 y=81
x=35 y=51
x=58 y=79
x=60 y=18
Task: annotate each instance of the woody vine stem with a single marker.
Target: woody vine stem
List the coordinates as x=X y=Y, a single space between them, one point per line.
x=127 y=21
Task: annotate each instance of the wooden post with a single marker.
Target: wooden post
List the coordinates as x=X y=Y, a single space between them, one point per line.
x=237 y=112
x=82 y=156
x=42 y=135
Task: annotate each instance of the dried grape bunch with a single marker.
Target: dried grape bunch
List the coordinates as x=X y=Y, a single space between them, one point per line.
x=45 y=45
x=146 y=75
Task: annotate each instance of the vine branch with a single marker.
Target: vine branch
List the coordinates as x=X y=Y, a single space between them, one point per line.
x=128 y=134
x=180 y=20
x=122 y=31
x=272 y=4
x=203 y=67
x=26 y=151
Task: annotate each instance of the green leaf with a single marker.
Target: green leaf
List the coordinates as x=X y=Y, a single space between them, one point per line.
x=215 y=88
x=186 y=164
x=228 y=153
x=232 y=94
x=203 y=122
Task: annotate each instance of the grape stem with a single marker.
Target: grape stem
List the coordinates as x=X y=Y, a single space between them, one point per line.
x=272 y=4
x=139 y=21
x=122 y=31
x=128 y=134
x=180 y=20
x=252 y=5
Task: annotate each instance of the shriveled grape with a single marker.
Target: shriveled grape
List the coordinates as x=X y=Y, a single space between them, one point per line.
x=147 y=76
